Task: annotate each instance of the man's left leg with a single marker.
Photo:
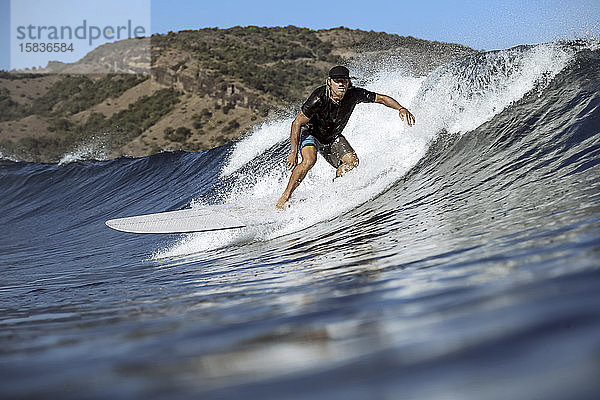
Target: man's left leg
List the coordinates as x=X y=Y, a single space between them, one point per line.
x=341 y=156
x=349 y=161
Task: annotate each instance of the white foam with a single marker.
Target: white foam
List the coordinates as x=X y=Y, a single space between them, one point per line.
x=3 y=157
x=261 y=139
x=459 y=99
x=95 y=149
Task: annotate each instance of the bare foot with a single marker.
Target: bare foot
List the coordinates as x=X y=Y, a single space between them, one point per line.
x=281 y=203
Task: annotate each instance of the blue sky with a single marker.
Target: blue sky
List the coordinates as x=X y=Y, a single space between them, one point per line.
x=477 y=23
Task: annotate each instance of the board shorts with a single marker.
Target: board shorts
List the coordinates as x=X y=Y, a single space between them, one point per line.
x=332 y=152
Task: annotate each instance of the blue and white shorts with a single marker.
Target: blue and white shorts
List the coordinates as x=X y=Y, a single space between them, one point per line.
x=332 y=152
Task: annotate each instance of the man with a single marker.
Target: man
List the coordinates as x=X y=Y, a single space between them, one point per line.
x=319 y=126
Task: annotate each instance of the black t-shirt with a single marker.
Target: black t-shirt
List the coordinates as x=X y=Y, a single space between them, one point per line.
x=328 y=119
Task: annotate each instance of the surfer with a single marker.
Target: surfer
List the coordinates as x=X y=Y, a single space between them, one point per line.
x=320 y=122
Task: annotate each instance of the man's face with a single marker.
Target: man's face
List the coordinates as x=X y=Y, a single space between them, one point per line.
x=339 y=86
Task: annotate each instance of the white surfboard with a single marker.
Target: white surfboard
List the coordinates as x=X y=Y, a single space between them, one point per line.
x=200 y=219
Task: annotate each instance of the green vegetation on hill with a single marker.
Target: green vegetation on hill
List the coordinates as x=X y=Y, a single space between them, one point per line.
x=139 y=116
x=70 y=95
x=42 y=148
x=278 y=61
x=73 y=94
x=118 y=129
x=10 y=109
x=18 y=76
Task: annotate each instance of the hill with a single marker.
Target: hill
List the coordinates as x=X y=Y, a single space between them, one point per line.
x=193 y=90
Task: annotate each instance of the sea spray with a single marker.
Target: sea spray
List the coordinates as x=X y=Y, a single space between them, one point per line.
x=96 y=148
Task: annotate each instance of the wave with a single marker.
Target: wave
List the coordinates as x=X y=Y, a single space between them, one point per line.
x=456 y=99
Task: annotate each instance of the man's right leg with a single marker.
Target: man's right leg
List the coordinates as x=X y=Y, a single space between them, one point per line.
x=309 y=158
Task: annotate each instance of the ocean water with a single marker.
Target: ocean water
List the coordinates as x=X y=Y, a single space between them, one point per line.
x=459 y=261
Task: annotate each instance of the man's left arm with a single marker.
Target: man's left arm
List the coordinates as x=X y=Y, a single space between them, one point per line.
x=391 y=103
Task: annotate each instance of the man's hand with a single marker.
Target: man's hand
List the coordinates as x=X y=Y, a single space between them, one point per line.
x=405 y=115
x=292 y=160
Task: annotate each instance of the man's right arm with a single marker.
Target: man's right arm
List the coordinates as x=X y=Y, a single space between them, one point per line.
x=300 y=120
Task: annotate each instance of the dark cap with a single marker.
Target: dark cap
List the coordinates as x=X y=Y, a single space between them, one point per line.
x=339 y=72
